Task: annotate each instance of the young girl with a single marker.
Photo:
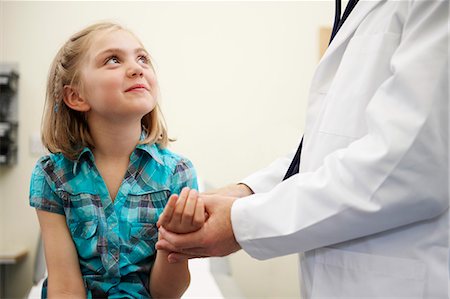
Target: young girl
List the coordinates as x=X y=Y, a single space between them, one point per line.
x=100 y=192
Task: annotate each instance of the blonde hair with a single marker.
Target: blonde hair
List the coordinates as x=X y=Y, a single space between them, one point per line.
x=65 y=130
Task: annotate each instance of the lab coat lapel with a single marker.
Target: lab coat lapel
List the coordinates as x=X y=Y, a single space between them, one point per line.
x=361 y=10
x=329 y=62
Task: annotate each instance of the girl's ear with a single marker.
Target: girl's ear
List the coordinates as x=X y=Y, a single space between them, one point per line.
x=74 y=101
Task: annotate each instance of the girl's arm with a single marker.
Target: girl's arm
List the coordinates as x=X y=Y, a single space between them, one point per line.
x=168 y=280
x=183 y=214
x=64 y=275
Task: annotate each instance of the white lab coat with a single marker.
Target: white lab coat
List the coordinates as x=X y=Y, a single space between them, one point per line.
x=368 y=212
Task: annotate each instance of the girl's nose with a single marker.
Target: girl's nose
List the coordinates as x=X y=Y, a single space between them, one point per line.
x=135 y=70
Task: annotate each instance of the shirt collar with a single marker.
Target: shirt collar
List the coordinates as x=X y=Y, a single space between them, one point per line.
x=78 y=160
x=151 y=149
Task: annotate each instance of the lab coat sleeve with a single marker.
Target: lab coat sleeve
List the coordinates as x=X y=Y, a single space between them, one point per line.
x=267 y=178
x=395 y=175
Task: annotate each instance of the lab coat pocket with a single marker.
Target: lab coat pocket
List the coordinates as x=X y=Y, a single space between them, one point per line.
x=344 y=274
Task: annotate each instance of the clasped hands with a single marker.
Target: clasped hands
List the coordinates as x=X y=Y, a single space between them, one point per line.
x=184 y=213
x=197 y=225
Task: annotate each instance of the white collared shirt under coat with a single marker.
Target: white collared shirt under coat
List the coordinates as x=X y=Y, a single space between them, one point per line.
x=368 y=212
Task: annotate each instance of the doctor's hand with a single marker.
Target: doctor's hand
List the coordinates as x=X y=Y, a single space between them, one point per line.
x=233 y=190
x=214 y=238
x=183 y=213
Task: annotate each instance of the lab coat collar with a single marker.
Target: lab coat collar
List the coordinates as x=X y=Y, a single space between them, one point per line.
x=328 y=63
x=361 y=10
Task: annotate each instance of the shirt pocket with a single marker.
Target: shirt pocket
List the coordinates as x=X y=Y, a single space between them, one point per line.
x=84 y=235
x=343 y=274
x=143 y=231
x=80 y=207
x=145 y=207
x=141 y=242
x=141 y=212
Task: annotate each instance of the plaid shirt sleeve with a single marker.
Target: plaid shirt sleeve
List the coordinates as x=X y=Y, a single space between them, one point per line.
x=184 y=176
x=42 y=196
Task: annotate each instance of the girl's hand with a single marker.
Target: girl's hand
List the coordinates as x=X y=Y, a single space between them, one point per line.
x=183 y=213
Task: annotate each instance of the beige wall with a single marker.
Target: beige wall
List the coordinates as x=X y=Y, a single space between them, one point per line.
x=234 y=79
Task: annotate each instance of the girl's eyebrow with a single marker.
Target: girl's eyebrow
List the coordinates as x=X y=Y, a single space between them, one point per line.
x=120 y=51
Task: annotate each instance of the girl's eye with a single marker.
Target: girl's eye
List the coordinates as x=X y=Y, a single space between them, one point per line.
x=112 y=60
x=143 y=59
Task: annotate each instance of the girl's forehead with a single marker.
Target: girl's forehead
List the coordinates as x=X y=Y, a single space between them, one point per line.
x=112 y=39
x=116 y=38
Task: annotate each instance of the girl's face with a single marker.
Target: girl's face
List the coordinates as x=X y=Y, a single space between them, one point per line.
x=118 y=80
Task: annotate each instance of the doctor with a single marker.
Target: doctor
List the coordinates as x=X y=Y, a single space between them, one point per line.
x=368 y=210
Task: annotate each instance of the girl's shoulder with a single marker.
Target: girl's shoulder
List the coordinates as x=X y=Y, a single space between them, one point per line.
x=52 y=163
x=53 y=160
x=48 y=174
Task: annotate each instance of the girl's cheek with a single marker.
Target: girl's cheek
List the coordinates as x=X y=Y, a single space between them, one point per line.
x=153 y=80
x=154 y=85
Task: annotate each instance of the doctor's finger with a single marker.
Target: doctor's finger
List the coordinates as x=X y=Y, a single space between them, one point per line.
x=164 y=245
x=175 y=257
x=183 y=241
x=166 y=215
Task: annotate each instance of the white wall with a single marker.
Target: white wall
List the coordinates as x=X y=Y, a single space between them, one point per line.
x=234 y=79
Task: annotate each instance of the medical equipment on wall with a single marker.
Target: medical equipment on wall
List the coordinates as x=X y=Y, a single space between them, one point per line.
x=8 y=115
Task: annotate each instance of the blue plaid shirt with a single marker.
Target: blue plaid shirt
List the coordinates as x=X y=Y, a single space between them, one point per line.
x=116 y=240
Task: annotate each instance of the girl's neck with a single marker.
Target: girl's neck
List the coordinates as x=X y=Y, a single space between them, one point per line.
x=115 y=141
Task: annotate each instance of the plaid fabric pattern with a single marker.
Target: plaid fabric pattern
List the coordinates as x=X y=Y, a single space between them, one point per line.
x=115 y=240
